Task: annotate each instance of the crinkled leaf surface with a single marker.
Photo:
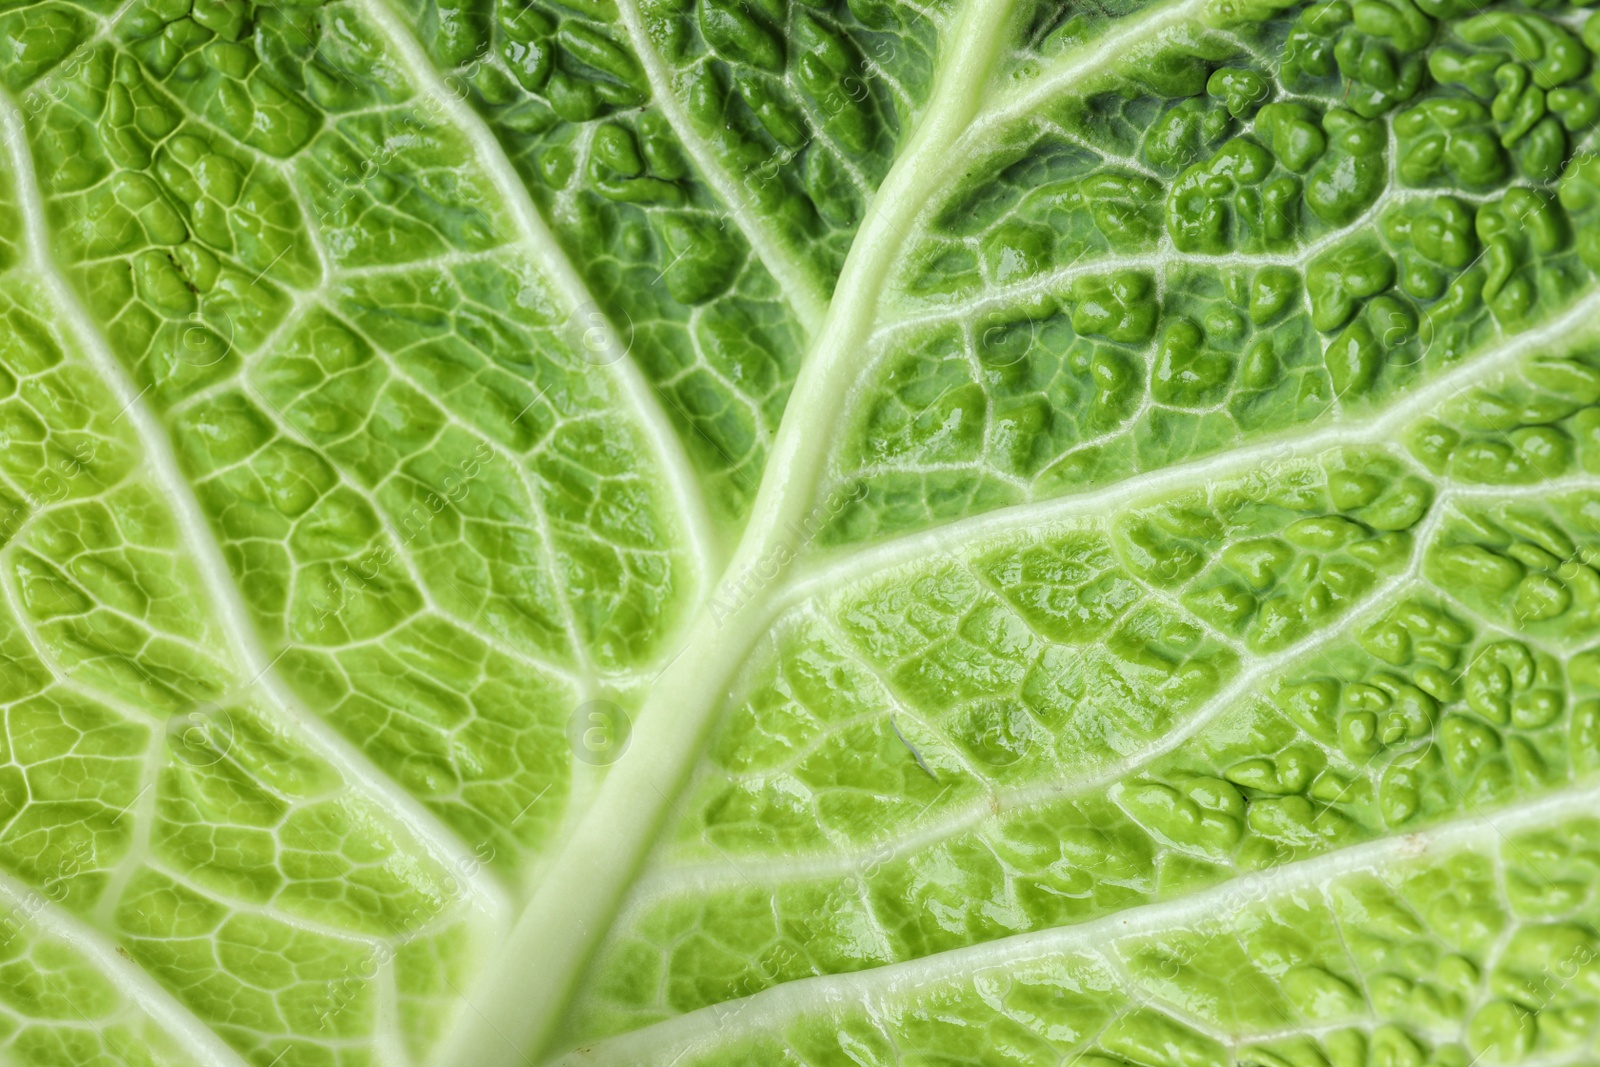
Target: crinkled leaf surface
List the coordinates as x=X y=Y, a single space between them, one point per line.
x=805 y=532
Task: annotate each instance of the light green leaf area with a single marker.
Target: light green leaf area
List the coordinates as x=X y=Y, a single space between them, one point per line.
x=162 y=810
x=57 y=1005
x=844 y=532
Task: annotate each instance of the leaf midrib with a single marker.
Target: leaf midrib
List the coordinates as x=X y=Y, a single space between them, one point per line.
x=788 y=484
x=582 y=888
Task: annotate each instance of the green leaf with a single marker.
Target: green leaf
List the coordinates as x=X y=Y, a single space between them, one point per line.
x=869 y=532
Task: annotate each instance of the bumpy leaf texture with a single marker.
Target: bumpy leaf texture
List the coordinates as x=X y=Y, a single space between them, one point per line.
x=799 y=532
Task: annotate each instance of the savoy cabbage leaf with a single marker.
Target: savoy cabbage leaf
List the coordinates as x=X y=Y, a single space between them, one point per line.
x=805 y=532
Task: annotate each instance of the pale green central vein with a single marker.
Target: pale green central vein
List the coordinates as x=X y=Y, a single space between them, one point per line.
x=516 y=1003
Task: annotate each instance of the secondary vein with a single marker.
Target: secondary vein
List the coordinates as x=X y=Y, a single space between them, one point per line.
x=535 y=232
x=768 y=1011
x=225 y=598
x=805 y=298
